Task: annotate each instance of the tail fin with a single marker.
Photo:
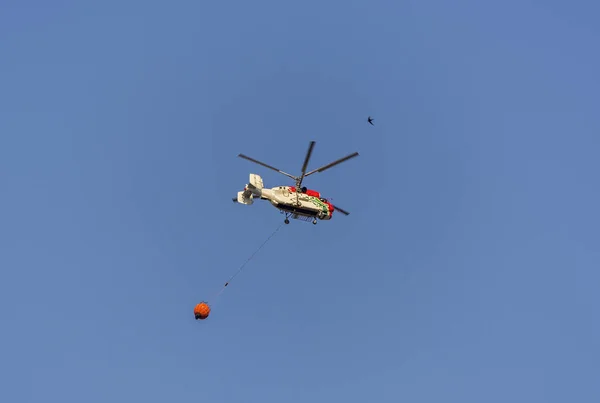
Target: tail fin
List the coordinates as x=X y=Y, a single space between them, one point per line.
x=256 y=181
x=252 y=189
x=245 y=197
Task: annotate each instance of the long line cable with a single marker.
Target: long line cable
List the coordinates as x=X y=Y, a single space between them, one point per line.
x=248 y=260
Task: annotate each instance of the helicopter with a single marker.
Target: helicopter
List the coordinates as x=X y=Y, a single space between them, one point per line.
x=297 y=201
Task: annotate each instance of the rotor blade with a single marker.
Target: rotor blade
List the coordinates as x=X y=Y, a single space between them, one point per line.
x=308 y=154
x=334 y=163
x=265 y=165
x=341 y=210
x=305 y=165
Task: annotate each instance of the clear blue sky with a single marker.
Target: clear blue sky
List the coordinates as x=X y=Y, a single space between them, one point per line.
x=468 y=268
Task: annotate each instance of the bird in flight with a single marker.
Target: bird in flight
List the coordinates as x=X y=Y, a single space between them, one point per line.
x=370 y=120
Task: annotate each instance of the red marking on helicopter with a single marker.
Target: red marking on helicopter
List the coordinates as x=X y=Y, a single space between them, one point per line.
x=331 y=208
x=308 y=192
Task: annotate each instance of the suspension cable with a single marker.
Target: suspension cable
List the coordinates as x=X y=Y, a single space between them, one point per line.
x=248 y=260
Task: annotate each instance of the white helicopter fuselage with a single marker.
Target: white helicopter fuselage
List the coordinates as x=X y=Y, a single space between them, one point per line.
x=286 y=199
x=297 y=201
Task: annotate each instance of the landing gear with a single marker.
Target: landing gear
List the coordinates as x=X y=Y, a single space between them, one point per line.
x=299 y=217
